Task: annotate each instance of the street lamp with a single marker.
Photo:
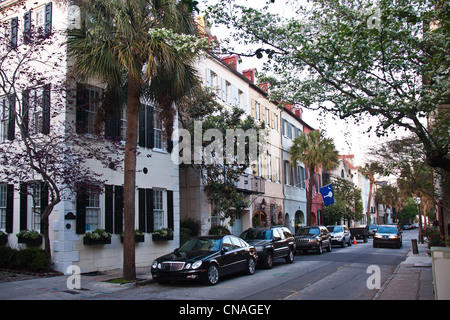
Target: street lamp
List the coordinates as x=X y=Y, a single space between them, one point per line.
x=418 y=200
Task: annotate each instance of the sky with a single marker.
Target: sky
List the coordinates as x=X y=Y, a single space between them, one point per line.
x=349 y=137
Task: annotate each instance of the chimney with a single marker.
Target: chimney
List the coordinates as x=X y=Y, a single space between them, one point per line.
x=265 y=86
x=233 y=61
x=250 y=74
x=298 y=113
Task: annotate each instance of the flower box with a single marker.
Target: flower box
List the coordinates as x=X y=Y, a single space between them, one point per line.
x=3 y=238
x=29 y=237
x=158 y=237
x=98 y=236
x=30 y=241
x=89 y=241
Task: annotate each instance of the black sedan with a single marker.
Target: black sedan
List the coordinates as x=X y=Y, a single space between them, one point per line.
x=206 y=258
x=387 y=235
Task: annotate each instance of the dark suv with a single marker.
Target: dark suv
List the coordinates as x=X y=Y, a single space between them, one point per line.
x=313 y=238
x=271 y=243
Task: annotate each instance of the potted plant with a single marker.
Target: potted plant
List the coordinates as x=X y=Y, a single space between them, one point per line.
x=98 y=236
x=162 y=234
x=3 y=238
x=29 y=237
x=138 y=236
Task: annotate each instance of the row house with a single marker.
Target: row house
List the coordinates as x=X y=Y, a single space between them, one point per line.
x=51 y=110
x=275 y=187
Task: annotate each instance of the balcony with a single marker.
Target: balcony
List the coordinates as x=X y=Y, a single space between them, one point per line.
x=251 y=184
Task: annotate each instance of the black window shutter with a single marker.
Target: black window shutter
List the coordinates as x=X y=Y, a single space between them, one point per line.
x=142 y=126
x=9 y=208
x=109 y=197
x=81 y=106
x=44 y=199
x=149 y=212
x=48 y=19
x=150 y=135
x=23 y=214
x=46 y=110
x=14 y=32
x=170 y=222
x=27 y=27
x=12 y=116
x=25 y=106
x=118 y=209
x=141 y=209
x=82 y=199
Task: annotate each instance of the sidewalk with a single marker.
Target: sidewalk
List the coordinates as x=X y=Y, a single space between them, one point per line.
x=411 y=280
x=56 y=288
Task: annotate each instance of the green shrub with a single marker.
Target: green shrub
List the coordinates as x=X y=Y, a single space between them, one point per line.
x=29 y=259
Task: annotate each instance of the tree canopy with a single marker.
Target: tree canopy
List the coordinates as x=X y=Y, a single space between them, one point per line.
x=386 y=59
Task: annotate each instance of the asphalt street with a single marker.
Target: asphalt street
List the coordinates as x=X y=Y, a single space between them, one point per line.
x=341 y=274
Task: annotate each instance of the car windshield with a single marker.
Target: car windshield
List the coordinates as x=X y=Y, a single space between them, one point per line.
x=384 y=229
x=201 y=244
x=306 y=231
x=256 y=234
x=335 y=229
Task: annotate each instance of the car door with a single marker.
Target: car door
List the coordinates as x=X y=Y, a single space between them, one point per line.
x=346 y=234
x=279 y=244
x=229 y=257
x=240 y=253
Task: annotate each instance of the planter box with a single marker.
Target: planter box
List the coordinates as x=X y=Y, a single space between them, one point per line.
x=137 y=238
x=3 y=239
x=158 y=237
x=30 y=242
x=91 y=242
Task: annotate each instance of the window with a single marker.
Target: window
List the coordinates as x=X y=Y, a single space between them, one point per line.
x=158 y=209
x=158 y=131
x=6 y=118
x=227 y=92
x=3 y=205
x=275 y=121
x=94 y=95
x=36 y=113
x=93 y=210
x=267 y=117
x=35 y=205
x=257 y=107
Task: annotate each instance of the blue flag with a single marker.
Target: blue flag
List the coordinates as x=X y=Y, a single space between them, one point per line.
x=327 y=194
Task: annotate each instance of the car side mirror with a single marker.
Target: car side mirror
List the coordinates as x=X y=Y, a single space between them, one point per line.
x=224 y=250
x=276 y=238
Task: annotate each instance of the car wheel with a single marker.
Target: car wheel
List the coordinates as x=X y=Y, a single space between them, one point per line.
x=250 y=266
x=212 y=274
x=290 y=257
x=269 y=261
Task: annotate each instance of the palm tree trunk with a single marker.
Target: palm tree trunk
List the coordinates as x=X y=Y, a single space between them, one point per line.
x=133 y=94
x=309 y=196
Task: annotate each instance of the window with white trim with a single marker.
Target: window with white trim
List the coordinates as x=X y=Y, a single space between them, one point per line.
x=3 y=205
x=4 y=118
x=93 y=211
x=158 y=209
x=35 y=206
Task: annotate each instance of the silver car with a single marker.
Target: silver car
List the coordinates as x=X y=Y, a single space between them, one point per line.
x=340 y=235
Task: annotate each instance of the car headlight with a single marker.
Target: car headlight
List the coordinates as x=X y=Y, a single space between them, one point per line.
x=187 y=266
x=155 y=264
x=196 y=264
x=393 y=237
x=377 y=236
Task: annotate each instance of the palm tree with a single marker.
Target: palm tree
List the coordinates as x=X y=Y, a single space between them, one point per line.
x=370 y=170
x=137 y=45
x=315 y=151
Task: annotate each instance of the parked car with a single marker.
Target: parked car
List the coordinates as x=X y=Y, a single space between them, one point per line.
x=340 y=235
x=271 y=243
x=206 y=258
x=406 y=227
x=312 y=238
x=387 y=235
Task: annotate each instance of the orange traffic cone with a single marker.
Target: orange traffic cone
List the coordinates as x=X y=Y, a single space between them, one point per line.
x=354 y=240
